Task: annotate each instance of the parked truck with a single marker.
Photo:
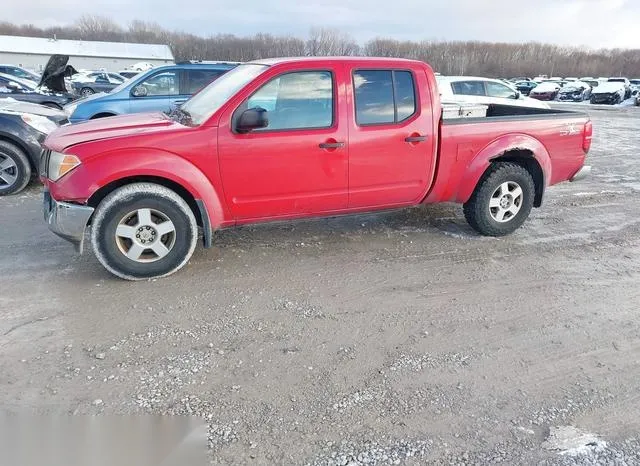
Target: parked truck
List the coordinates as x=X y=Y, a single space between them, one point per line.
x=295 y=138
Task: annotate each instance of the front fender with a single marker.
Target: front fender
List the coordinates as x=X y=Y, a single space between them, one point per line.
x=101 y=170
x=495 y=149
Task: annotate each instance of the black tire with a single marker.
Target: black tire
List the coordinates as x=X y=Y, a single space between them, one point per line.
x=111 y=249
x=86 y=92
x=477 y=210
x=13 y=178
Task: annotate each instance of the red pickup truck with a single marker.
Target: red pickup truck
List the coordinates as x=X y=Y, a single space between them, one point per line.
x=293 y=138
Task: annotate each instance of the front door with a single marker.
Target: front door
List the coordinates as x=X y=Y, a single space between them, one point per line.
x=298 y=164
x=391 y=137
x=156 y=93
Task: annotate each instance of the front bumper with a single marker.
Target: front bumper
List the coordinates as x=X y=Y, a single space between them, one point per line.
x=66 y=220
x=581 y=174
x=570 y=98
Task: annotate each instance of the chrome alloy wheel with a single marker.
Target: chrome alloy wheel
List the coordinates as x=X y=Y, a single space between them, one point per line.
x=506 y=202
x=145 y=235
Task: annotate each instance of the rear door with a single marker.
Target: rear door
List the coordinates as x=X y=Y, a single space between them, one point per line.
x=101 y=83
x=193 y=80
x=298 y=164
x=157 y=92
x=391 y=140
x=472 y=91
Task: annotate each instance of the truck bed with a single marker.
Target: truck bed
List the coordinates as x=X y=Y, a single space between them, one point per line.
x=497 y=112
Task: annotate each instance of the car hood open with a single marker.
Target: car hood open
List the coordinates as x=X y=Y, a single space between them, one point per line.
x=55 y=71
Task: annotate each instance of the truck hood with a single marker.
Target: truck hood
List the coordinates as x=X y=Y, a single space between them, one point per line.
x=108 y=128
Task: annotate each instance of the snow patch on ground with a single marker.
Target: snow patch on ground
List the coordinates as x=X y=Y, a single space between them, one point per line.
x=571 y=441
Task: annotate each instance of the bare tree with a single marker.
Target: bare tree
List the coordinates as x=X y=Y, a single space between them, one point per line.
x=331 y=42
x=98 y=28
x=448 y=57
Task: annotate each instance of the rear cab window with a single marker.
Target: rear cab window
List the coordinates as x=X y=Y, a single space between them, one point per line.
x=383 y=96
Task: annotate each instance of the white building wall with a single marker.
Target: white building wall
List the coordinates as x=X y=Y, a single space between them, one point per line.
x=37 y=62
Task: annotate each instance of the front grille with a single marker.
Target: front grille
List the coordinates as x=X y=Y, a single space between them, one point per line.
x=44 y=161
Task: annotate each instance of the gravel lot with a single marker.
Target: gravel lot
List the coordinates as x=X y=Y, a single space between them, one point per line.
x=395 y=338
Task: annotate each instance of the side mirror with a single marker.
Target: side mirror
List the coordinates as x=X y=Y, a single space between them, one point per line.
x=253 y=118
x=139 y=91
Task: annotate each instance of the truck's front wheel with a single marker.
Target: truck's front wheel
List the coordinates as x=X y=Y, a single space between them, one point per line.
x=502 y=201
x=143 y=230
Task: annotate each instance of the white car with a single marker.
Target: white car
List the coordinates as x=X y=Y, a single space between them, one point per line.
x=611 y=93
x=485 y=91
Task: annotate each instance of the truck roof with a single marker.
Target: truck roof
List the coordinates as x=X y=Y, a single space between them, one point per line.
x=277 y=61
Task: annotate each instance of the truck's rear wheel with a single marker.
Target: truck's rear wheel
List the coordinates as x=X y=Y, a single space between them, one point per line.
x=143 y=230
x=502 y=201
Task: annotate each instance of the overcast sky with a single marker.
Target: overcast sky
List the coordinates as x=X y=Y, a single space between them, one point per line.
x=594 y=23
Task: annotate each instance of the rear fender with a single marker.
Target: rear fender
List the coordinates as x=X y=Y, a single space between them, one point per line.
x=501 y=147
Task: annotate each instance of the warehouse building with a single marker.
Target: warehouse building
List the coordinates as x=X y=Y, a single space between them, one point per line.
x=33 y=52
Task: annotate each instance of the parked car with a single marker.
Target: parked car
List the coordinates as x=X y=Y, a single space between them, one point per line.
x=635 y=86
x=547 y=90
x=591 y=82
x=570 y=79
x=146 y=181
x=627 y=85
x=98 y=81
x=575 y=91
x=474 y=90
x=23 y=126
x=25 y=91
x=524 y=87
x=159 y=89
x=20 y=73
x=516 y=80
x=612 y=93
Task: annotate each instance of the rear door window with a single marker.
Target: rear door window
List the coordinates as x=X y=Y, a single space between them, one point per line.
x=468 y=88
x=195 y=80
x=383 y=96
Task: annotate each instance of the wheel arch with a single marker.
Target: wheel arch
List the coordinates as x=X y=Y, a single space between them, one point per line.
x=523 y=150
x=6 y=137
x=102 y=115
x=197 y=206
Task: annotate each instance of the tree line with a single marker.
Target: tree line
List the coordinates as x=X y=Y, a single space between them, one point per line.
x=447 y=57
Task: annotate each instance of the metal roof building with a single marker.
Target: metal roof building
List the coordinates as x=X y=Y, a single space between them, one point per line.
x=33 y=53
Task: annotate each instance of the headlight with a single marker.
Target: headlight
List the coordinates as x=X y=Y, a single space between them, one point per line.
x=60 y=165
x=38 y=122
x=69 y=109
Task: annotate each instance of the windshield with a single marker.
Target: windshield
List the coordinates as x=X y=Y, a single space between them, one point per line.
x=206 y=102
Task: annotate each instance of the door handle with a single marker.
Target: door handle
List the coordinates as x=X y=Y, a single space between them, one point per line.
x=412 y=139
x=331 y=145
